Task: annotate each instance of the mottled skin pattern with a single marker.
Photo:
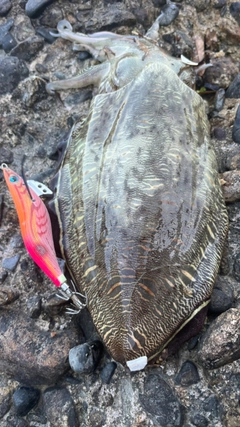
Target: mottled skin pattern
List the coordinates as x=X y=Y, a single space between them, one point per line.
x=138 y=200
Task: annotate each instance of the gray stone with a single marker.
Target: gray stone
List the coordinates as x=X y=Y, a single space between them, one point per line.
x=13 y=70
x=233 y=90
x=24 y=399
x=169 y=12
x=222 y=297
x=11 y=263
x=187 y=375
x=28 y=49
x=159 y=400
x=4 y=28
x=59 y=408
x=236 y=127
x=221 y=342
x=34 y=8
x=5 y=6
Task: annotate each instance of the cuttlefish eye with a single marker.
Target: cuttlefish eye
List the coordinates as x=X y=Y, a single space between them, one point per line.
x=13 y=178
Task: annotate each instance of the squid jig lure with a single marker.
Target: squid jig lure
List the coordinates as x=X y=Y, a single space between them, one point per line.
x=36 y=232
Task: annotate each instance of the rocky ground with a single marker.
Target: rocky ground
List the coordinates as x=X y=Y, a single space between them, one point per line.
x=198 y=386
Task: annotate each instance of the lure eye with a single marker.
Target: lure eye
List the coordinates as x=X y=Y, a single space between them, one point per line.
x=13 y=178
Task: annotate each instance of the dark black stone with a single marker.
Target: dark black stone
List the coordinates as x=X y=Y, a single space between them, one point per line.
x=8 y=42
x=11 y=263
x=193 y=342
x=24 y=399
x=218 y=4
x=6 y=155
x=5 y=6
x=83 y=55
x=3 y=276
x=45 y=33
x=187 y=375
x=159 y=400
x=236 y=127
x=34 y=8
x=84 y=358
x=28 y=49
x=220 y=133
x=34 y=306
x=4 y=28
x=107 y=372
x=222 y=298
x=235 y=10
x=233 y=90
x=169 y=12
x=199 y=420
x=24 y=265
x=59 y=405
x=13 y=70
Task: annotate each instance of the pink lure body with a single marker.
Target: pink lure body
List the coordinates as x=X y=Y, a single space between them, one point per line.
x=35 y=226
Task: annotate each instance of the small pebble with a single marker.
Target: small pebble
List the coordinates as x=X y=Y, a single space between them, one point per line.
x=83 y=55
x=107 y=372
x=8 y=42
x=218 y=4
x=220 y=133
x=45 y=33
x=3 y=276
x=11 y=263
x=233 y=90
x=84 y=358
x=34 y=8
x=5 y=6
x=187 y=375
x=236 y=127
x=169 y=13
x=6 y=155
x=17 y=422
x=34 y=306
x=219 y=100
x=24 y=399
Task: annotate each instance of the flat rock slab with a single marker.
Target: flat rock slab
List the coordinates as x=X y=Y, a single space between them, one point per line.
x=32 y=355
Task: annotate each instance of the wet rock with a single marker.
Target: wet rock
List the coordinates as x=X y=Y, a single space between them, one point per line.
x=5 y=6
x=235 y=10
x=199 y=420
x=4 y=28
x=107 y=372
x=169 y=12
x=116 y=15
x=34 y=306
x=187 y=375
x=222 y=297
x=234 y=89
x=236 y=127
x=59 y=408
x=221 y=342
x=84 y=358
x=5 y=400
x=13 y=70
x=24 y=399
x=30 y=354
x=159 y=400
x=45 y=33
x=8 y=42
x=28 y=49
x=34 y=8
x=11 y=263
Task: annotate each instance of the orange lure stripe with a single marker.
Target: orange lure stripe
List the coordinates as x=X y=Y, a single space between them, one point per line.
x=35 y=226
